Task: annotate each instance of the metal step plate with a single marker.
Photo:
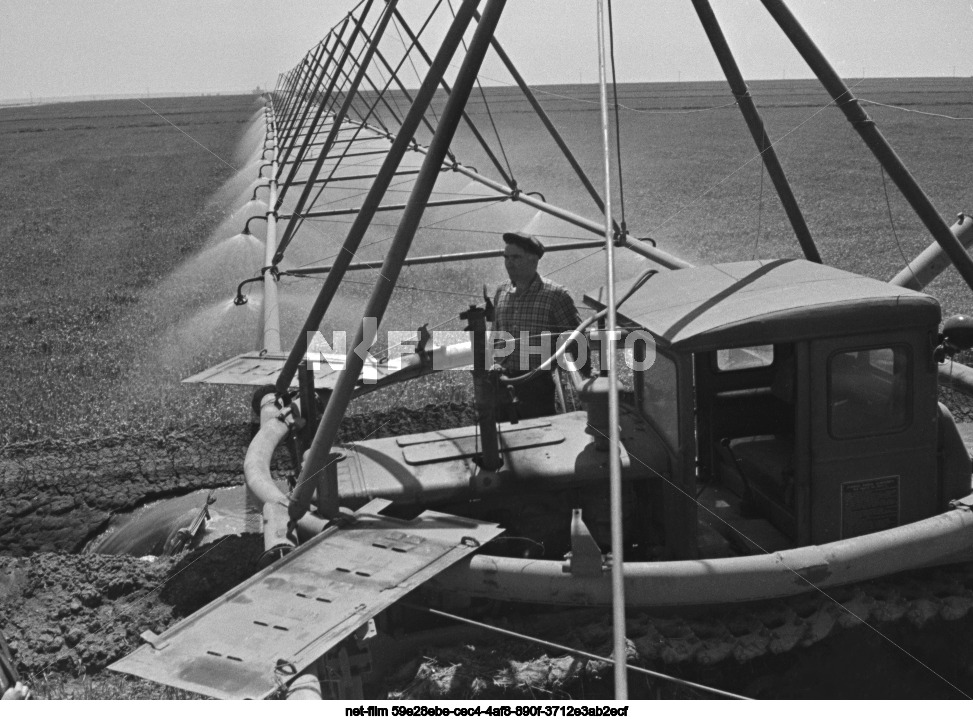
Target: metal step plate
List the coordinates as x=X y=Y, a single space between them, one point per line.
x=257 y=637
x=253 y=369
x=468 y=445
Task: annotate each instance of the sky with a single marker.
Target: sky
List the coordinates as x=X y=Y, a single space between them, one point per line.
x=64 y=48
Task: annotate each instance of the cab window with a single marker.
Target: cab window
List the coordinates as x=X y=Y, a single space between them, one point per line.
x=738 y=359
x=868 y=392
x=660 y=399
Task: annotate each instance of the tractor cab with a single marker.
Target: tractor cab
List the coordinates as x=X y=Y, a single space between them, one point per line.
x=796 y=402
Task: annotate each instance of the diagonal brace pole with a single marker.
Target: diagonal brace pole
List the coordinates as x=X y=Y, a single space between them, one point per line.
x=318 y=454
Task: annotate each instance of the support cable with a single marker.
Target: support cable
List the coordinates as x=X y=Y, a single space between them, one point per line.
x=361 y=126
x=466 y=118
x=512 y=181
x=332 y=81
x=408 y=49
x=577 y=652
x=381 y=96
x=873 y=138
x=400 y=145
x=337 y=118
x=760 y=213
x=898 y=244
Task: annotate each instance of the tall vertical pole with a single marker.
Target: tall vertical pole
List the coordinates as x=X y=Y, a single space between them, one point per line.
x=337 y=118
x=303 y=76
x=614 y=457
x=322 y=105
x=383 y=178
x=873 y=138
x=755 y=123
x=315 y=78
x=298 y=78
x=309 y=95
x=414 y=39
x=317 y=455
x=551 y=129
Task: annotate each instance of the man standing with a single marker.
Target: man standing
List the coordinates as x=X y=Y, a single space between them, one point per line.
x=525 y=308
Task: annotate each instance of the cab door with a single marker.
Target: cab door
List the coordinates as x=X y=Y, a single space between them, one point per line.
x=872 y=434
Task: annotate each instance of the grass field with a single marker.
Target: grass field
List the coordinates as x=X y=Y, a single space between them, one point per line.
x=118 y=272
x=108 y=204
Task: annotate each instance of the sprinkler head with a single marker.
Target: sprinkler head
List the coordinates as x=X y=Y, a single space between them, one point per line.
x=241 y=299
x=246 y=227
x=262 y=185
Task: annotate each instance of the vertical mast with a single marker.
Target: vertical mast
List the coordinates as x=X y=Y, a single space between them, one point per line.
x=608 y=351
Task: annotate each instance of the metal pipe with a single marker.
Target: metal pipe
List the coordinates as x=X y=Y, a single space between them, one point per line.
x=378 y=136
x=294 y=128
x=337 y=118
x=312 y=71
x=278 y=540
x=545 y=119
x=484 y=391
x=654 y=254
x=345 y=178
x=378 y=302
x=303 y=76
x=316 y=66
x=285 y=94
x=396 y=206
x=614 y=457
x=291 y=95
x=271 y=307
x=306 y=687
x=444 y=258
x=756 y=125
x=375 y=194
x=469 y=122
x=345 y=54
x=932 y=261
x=314 y=132
x=873 y=138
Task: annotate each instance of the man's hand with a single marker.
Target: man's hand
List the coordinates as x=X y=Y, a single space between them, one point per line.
x=18 y=692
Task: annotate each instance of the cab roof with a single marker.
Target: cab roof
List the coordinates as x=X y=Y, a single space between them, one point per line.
x=767 y=301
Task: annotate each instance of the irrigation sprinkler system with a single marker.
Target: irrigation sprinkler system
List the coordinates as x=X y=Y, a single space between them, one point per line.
x=348 y=105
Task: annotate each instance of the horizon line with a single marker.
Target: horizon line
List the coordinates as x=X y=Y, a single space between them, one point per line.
x=94 y=97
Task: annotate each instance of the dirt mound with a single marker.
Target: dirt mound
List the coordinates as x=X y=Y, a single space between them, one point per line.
x=76 y=613
x=56 y=494
x=73 y=615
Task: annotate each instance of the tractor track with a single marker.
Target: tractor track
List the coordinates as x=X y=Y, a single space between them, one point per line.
x=71 y=613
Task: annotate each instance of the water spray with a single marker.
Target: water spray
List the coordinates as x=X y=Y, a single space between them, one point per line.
x=258 y=187
x=246 y=227
x=241 y=299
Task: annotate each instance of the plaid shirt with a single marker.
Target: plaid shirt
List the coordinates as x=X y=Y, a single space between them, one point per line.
x=542 y=306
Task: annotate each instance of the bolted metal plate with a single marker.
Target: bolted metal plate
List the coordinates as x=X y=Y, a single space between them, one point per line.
x=507 y=429
x=253 y=369
x=467 y=444
x=260 y=635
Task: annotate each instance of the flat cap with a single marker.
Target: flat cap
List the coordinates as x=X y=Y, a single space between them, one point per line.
x=527 y=243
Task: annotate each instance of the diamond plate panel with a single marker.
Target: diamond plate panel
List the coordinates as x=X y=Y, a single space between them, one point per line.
x=265 y=631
